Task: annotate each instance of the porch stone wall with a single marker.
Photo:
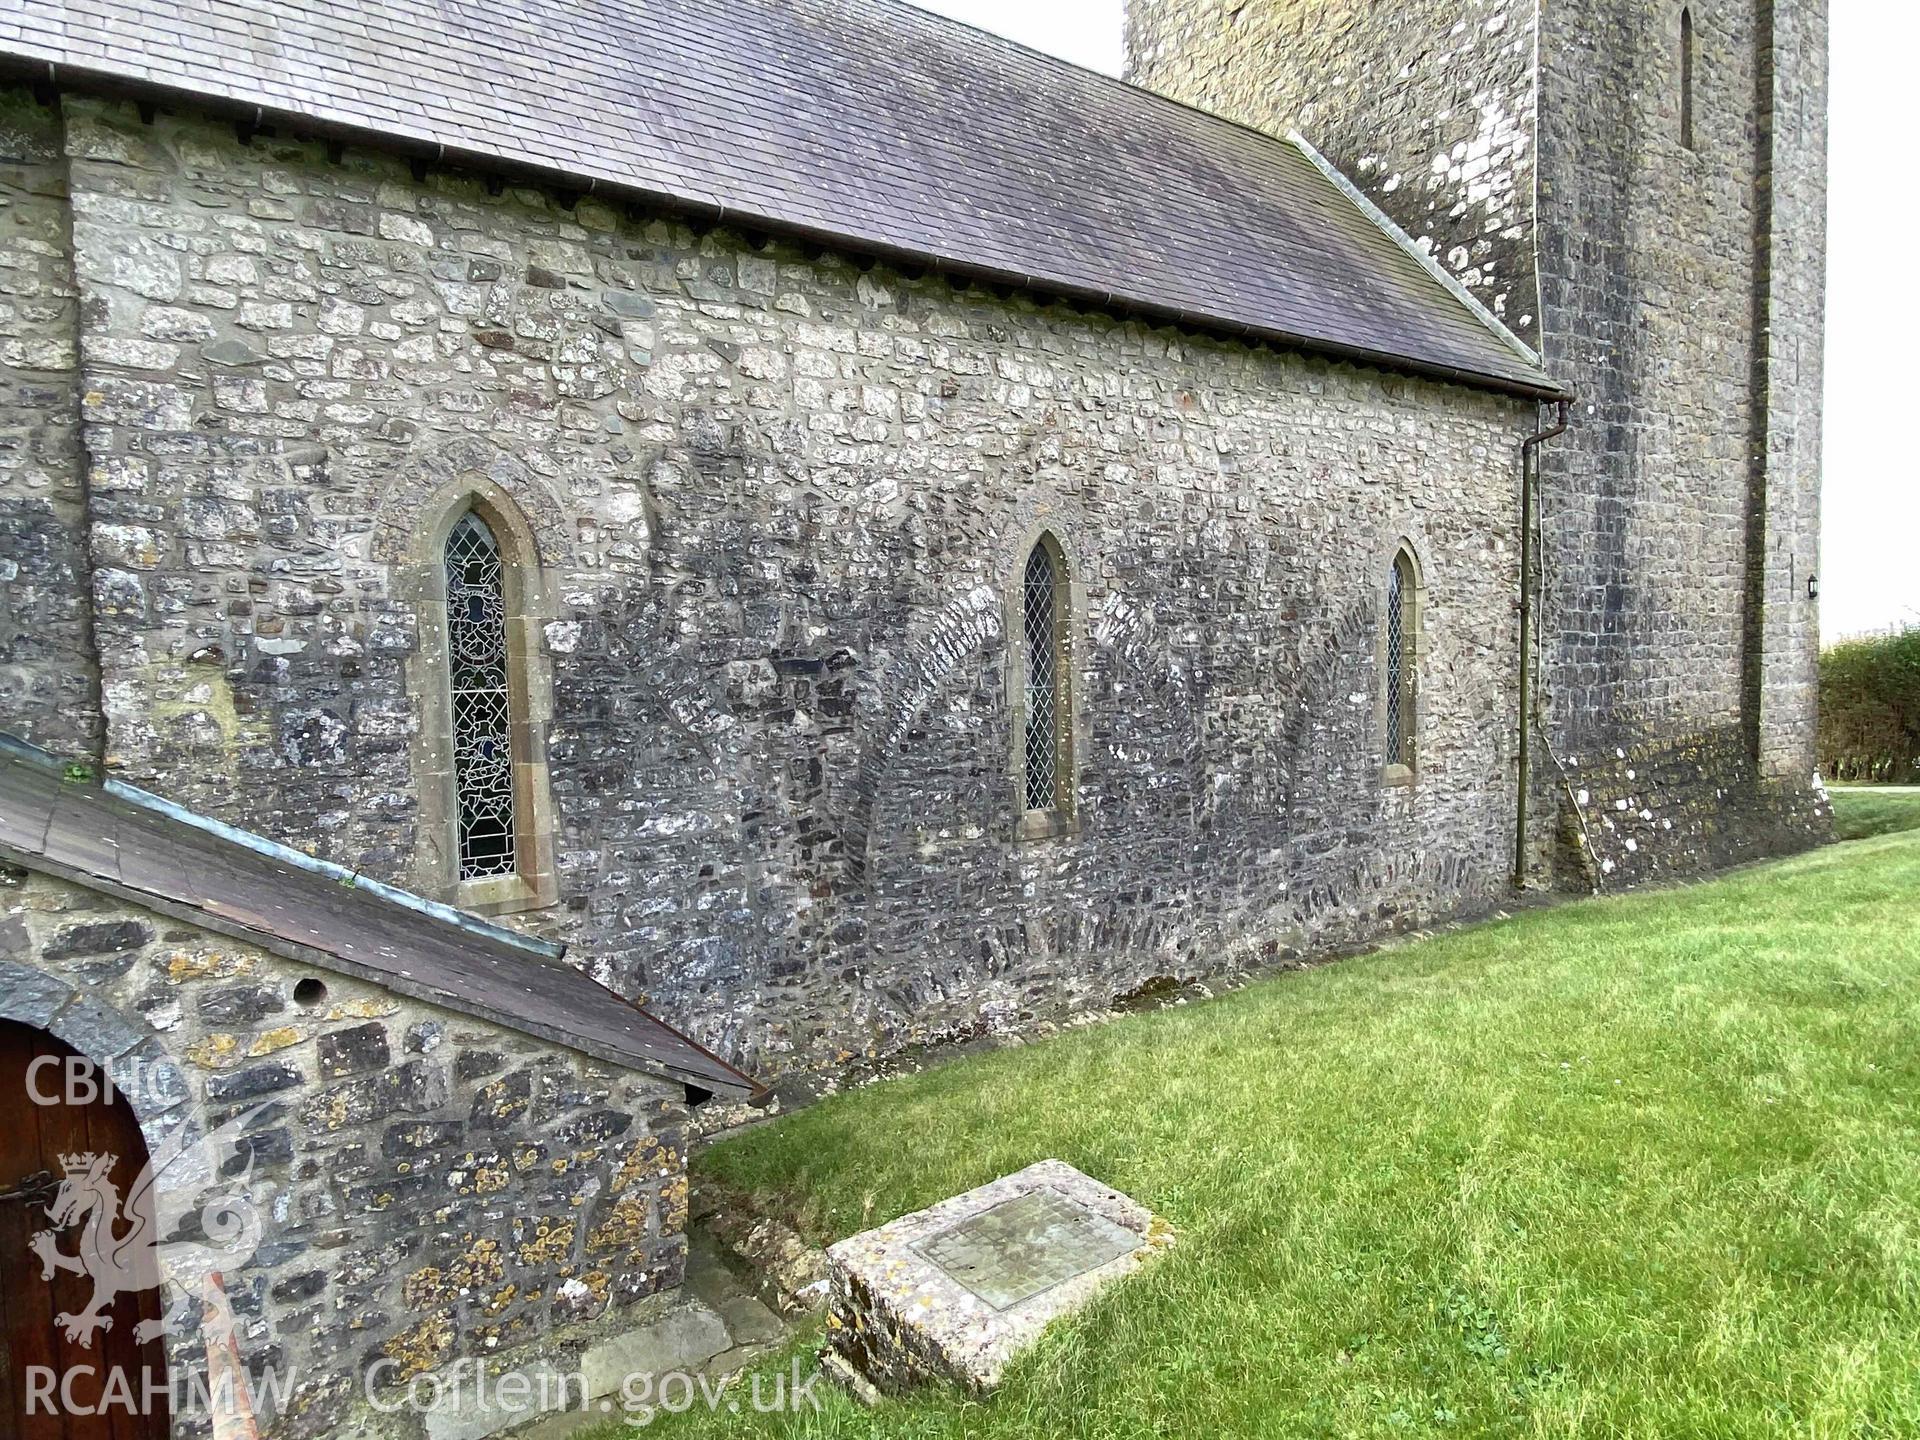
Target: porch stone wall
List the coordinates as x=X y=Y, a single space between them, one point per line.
x=433 y=1188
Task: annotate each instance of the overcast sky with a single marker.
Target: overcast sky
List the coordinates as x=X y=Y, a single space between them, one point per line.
x=1869 y=575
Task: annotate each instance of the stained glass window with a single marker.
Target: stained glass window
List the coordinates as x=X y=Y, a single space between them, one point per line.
x=482 y=710
x=1401 y=652
x=1043 y=679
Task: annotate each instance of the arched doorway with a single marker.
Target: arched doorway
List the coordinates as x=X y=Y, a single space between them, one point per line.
x=113 y=1386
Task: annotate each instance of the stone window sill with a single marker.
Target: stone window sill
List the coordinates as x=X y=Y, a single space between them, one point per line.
x=1038 y=825
x=501 y=895
x=1399 y=777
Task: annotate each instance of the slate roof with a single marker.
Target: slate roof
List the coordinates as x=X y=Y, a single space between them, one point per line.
x=120 y=840
x=864 y=123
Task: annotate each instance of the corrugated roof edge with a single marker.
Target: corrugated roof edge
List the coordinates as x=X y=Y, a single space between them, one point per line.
x=54 y=73
x=1406 y=242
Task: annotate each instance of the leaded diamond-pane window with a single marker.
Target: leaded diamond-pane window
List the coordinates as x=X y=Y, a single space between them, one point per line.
x=482 y=711
x=1043 y=679
x=1401 y=650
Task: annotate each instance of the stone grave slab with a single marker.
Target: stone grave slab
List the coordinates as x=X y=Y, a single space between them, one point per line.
x=955 y=1291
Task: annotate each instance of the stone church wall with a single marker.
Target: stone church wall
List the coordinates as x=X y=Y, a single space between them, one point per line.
x=48 y=677
x=1676 y=617
x=1647 y=259
x=1427 y=105
x=1677 y=591
x=1796 y=253
x=430 y=1189
x=779 y=504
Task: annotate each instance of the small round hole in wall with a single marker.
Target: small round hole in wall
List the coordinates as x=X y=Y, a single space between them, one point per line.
x=310 y=993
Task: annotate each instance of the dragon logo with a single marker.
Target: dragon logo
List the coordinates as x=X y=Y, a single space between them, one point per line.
x=123 y=1245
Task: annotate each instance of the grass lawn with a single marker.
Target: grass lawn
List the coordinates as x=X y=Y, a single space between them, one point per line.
x=1863 y=810
x=1632 y=1167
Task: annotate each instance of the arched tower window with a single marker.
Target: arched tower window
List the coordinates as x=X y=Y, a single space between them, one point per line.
x=1402 y=664
x=1047 y=695
x=1686 y=76
x=480 y=685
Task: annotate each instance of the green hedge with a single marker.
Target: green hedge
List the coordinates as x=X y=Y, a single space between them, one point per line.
x=1870 y=709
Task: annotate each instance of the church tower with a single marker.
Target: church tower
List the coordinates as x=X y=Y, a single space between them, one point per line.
x=1637 y=188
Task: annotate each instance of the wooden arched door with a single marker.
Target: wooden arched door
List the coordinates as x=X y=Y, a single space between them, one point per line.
x=55 y=1388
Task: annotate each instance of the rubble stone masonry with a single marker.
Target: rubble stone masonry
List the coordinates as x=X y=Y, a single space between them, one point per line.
x=424 y=1188
x=1677 y=289
x=779 y=504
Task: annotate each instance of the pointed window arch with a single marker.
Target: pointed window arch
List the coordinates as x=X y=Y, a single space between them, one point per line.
x=1402 y=654
x=1045 y=696
x=1686 y=76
